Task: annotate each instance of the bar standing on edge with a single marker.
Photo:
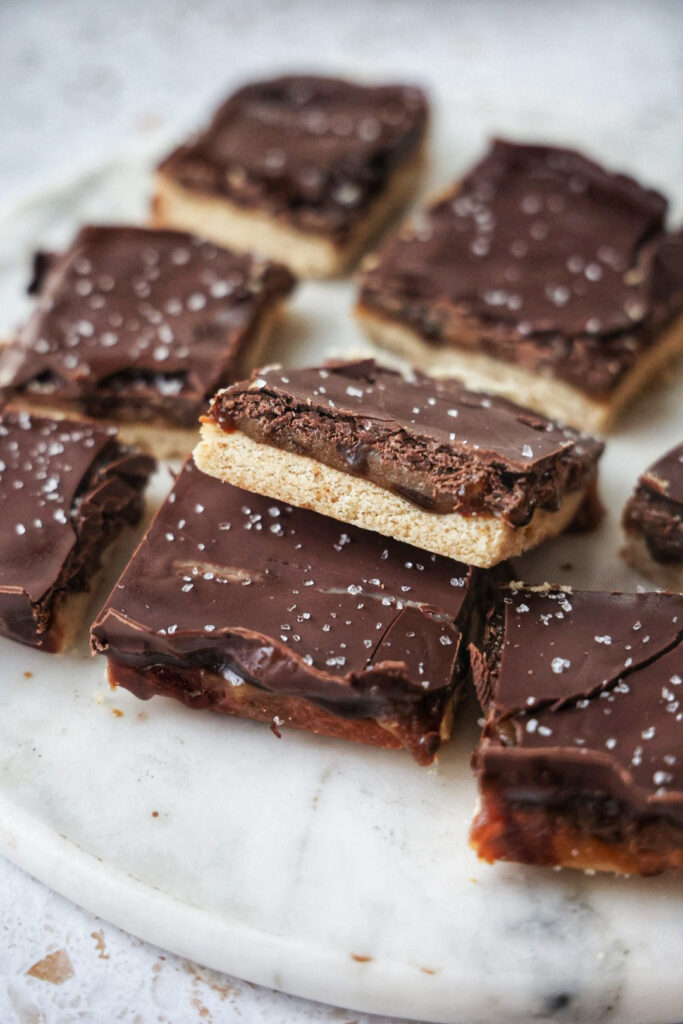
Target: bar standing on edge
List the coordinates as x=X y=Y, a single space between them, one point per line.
x=421 y=460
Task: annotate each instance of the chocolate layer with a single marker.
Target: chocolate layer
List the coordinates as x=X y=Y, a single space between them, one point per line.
x=655 y=511
x=541 y=258
x=313 y=151
x=231 y=585
x=438 y=445
x=138 y=324
x=584 y=700
x=66 y=490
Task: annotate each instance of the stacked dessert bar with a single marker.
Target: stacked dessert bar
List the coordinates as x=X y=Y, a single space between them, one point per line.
x=68 y=492
x=252 y=607
x=140 y=327
x=426 y=461
x=303 y=169
x=345 y=628
x=653 y=522
x=334 y=556
x=580 y=763
x=539 y=276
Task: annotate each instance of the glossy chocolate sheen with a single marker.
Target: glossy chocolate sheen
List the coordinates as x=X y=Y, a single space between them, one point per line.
x=665 y=476
x=149 y=321
x=437 y=444
x=584 y=693
x=540 y=257
x=297 y=603
x=313 y=150
x=66 y=488
x=655 y=511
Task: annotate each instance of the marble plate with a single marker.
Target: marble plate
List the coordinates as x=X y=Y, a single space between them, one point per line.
x=320 y=868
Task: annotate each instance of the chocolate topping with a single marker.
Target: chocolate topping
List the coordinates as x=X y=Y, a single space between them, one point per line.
x=539 y=257
x=66 y=489
x=586 y=705
x=315 y=151
x=432 y=441
x=141 y=322
x=665 y=477
x=252 y=589
x=655 y=511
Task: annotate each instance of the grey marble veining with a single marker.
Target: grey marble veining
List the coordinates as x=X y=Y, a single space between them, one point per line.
x=364 y=854
x=328 y=870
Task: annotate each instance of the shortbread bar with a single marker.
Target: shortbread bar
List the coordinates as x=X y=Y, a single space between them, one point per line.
x=249 y=607
x=421 y=460
x=581 y=760
x=68 y=491
x=653 y=522
x=140 y=327
x=541 y=277
x=302 y=169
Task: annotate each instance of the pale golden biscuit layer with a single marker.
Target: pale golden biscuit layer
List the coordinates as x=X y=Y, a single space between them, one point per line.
x=245 y=230
x=668 y=575
x=546 y=394
x=483 y=541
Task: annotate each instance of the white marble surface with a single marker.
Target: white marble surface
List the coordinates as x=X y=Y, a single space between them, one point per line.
x=332 y=871
x=82 y=78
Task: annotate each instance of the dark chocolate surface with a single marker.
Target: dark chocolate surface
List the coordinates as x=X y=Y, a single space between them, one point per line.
x=255 y=590
x=655 y=510
x=434 y=442
x=540 y=257
x=130 y=320
x=665 y=477
x=313 y=150
x=66 y=488
x=588 y=704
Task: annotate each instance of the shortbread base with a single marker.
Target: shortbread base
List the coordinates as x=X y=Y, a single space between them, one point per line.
x=252 y=230
x=481 y=540
x=668 y=575
x=540 y=391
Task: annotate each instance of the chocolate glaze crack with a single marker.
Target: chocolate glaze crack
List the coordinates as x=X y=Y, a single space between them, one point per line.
x=587 y=708
x=546 y=636
x=441 y=447
x=229 y=587
x=655 y=511
x=139 y=323
x=542 y=258
x=313 y=150
x=66 y=489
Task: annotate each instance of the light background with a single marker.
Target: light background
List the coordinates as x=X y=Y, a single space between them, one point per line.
x=83 y=79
